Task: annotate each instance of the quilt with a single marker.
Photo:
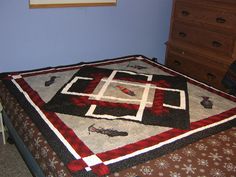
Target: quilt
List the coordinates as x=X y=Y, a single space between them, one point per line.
x=104 y=116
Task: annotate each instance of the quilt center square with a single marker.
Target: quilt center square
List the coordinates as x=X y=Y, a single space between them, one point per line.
x=115 y=91
x=118 y=94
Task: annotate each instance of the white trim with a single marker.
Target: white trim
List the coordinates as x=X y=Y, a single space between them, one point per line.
x=143 y=102
x=138 y=152
x=76 y=66
x=51 y=126
x=105 y=86
x=94 y=96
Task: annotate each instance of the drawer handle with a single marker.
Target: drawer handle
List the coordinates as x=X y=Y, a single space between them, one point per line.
x=185 y=13
x=216 y=44
x=220 y=20
x=182 y=34
x=210 y=76
x=177 y=63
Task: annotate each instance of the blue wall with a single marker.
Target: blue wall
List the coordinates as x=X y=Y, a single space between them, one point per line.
x=32 y=38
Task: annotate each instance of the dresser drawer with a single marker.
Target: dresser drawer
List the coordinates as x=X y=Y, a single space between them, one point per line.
x=213 y=41
x=199 y=71
x=203 y=14
x=202 y=39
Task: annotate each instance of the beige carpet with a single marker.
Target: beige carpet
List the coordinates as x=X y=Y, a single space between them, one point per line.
x=11 y=162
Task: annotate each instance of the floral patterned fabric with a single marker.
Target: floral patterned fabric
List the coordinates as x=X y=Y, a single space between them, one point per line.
x=31 y=136
x=214 y=156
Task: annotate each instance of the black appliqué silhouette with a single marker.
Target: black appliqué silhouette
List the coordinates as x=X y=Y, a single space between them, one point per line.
x=108 y=132
x=206 y=103
x=139 y=67
x=50 y=81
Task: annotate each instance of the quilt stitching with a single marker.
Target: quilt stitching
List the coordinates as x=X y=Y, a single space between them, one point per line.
x=110 y=157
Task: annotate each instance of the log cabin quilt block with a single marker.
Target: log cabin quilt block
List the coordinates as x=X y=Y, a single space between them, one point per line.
x=101 y=117
x=118 y=94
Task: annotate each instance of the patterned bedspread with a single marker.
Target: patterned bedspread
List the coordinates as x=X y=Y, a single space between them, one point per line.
x=94 y=119
x=214 y=156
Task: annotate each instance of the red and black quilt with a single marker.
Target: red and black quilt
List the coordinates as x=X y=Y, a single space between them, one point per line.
x=118 y=94
x=104 y=116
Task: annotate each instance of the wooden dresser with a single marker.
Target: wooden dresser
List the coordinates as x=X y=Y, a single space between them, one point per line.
x=202 y=40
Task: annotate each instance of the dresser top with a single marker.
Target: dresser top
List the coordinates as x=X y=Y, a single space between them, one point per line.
x=224 y=4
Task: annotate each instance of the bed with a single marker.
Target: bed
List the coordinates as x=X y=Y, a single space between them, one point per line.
x=126 y=116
